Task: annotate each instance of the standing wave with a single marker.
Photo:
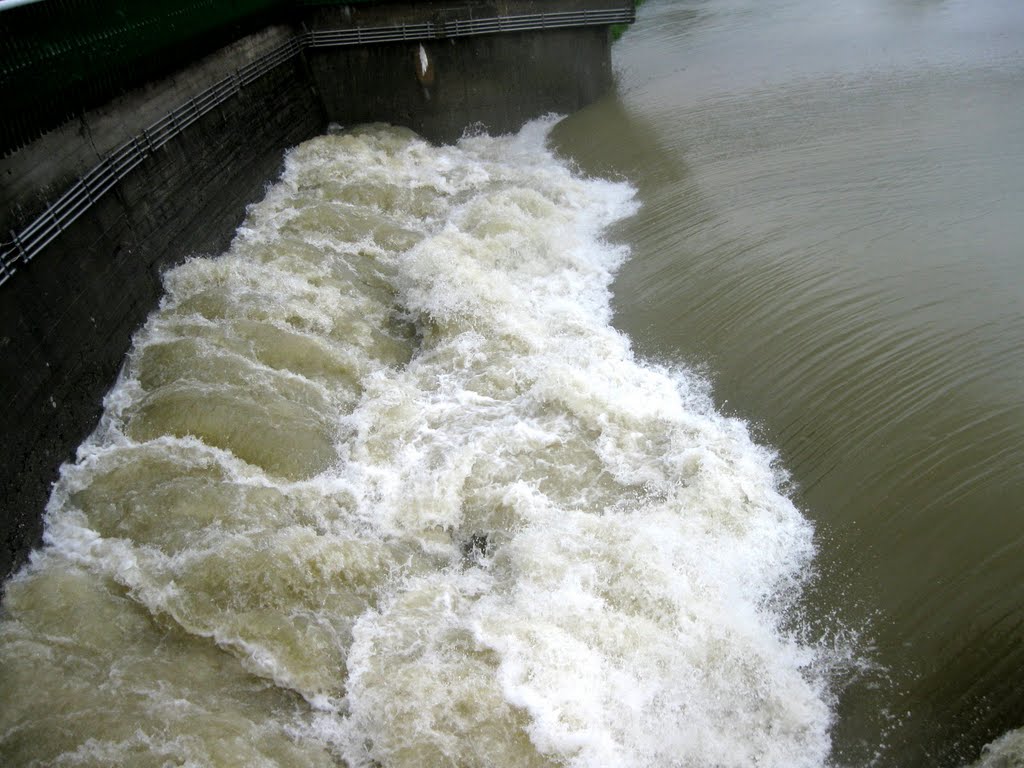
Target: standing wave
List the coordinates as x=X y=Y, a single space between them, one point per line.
x=381 y=486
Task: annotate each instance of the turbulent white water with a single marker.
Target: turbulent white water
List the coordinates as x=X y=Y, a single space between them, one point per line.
x=381 y=486
x=1005 y=752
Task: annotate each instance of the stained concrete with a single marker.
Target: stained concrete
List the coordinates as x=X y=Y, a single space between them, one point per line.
x=40 y=172
x=492 y=82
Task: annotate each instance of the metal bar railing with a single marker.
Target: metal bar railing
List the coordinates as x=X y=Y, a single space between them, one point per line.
x=27 y=243
x=465 y=27
x=87 y=190
x=534 y=21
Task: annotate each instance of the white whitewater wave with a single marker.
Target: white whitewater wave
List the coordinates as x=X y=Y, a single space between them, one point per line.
x=1005 y=752
x=389 y=454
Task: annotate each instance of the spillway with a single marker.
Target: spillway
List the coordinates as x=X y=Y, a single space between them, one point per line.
x=381 y=485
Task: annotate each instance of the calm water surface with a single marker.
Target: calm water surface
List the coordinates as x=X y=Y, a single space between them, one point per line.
x=832 y=227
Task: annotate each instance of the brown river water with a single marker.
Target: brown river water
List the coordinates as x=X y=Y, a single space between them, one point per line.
x=833 y=228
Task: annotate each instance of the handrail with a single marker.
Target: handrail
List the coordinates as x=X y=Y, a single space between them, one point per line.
x=27 y=243
x=91 y=186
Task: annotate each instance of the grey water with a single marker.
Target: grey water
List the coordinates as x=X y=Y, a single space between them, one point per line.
x=832 y=228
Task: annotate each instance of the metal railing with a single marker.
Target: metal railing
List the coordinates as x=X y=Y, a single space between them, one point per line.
x=464 y=27
x=527 y=22
x=27 y=243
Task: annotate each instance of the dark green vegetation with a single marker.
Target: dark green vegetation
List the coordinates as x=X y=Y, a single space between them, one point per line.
x=619 y=29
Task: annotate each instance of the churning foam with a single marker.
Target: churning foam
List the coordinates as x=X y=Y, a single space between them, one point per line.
x=1005 y=752
x=382 y=485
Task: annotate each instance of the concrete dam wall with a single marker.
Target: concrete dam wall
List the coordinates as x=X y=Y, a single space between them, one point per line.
x=94 y=208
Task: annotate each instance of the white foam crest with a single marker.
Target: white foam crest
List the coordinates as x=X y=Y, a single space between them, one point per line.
x=530 y=548
x=1005 y=752
x=632 y=642
x=639 y=635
